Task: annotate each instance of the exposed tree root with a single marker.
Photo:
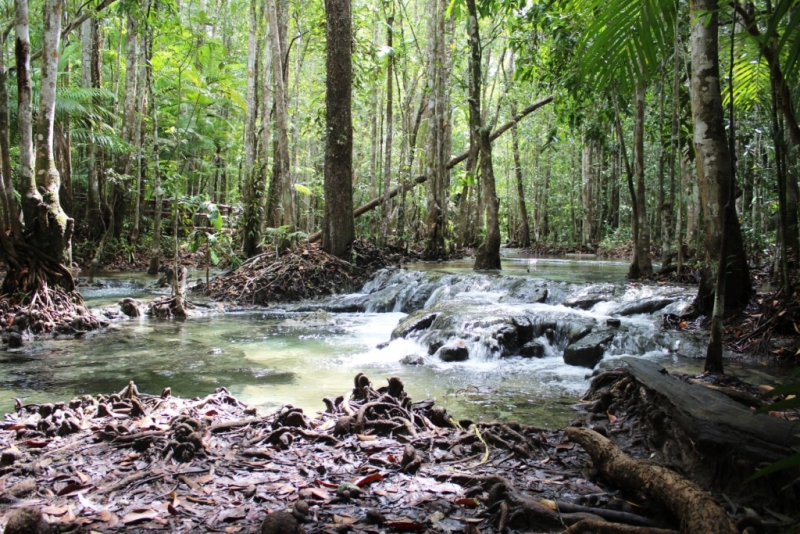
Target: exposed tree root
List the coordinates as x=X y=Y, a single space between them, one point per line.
x=602 y=527
x=697 y=511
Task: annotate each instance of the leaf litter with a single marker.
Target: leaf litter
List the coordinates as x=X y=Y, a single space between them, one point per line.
x=374 y=460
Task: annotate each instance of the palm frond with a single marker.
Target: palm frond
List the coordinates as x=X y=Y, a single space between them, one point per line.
x=626 y=39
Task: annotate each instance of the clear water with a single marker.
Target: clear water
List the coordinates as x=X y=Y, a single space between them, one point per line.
x=265 y=363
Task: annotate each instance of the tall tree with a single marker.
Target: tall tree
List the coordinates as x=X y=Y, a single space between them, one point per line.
x=488 y=254
x=90 y=74
x=338 y=230
x=253 y=203
x=383 y=237
x=642 y=226
x=713 y=160
x=439 y=137
x=280 y=207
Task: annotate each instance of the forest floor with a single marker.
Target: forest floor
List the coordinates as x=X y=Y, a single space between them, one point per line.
x=373 y=461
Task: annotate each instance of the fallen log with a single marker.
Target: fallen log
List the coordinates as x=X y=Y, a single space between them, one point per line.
x=408 y=186
x=720 y=441
x=696 y=510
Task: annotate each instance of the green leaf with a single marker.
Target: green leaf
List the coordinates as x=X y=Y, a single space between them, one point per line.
x=786 y=389
x=779 y=406
x=780 y=465
x=302 y=189
x=214 y=257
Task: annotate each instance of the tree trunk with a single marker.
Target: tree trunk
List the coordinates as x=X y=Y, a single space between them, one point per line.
x=713 y=161
x=666 y=249
x=587 y=172
x=525 y=240
x=338 y=226
x=139 y=136
x=633 y=272
x=7 y=199
x=22 y=45
x=253 y=211
x=90 y=77
x=52 y=229
x=280 y=208
x=438 y=133
x=383 y=236
x=158 y=193
x=643 y=229
x=488 y=254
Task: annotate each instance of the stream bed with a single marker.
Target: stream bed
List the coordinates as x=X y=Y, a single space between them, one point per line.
x=297 y=354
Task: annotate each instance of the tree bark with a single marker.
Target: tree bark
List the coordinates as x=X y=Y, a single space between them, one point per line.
x=90 y=77
x=488 y=254
x=713 y=161
x=383 y=237
x=438 y=134
x=158 y=193
x=280 y=209
x=52 y=230
x=338 y=226
x=8 y=201
x=643 y=229
x=697 y=511
x=253 y=210
x=633 y=272
x=587 y=173
x=525 y=240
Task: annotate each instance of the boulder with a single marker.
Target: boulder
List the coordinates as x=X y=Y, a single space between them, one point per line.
x=454 y=351
x=532 y=349
x=646 y=305
x=588 y=351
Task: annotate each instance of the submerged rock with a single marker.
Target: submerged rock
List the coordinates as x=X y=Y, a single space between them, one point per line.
x=588 y=351
x=455 y=351
x=646 y=305
x=413 y=359
x=317 y=318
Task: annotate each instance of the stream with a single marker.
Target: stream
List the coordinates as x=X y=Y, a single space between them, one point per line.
x=297 y=354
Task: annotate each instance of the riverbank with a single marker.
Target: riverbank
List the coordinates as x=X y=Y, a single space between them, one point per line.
x=374 y=460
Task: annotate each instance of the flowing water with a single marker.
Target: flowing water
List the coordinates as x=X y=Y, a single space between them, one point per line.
x=295 y=355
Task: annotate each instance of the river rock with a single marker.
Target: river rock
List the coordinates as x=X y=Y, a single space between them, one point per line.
x=613 y=323
x=588 y=351
x=454 y=351
x=14 y=340
x=590 y=296
x=532 y=349
x=646 y=305
x=413 y=359
x=417 y=321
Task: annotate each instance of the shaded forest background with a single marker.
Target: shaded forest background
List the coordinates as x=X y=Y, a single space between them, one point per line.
x=197 y=105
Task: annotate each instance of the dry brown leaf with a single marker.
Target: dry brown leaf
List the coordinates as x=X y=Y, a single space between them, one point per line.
x=344 y=519
x=138 y=515
x=57 y=511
